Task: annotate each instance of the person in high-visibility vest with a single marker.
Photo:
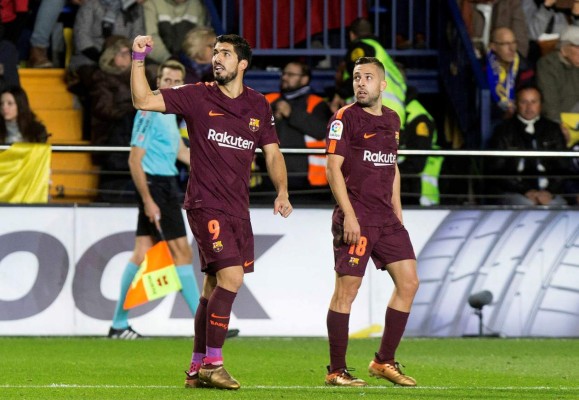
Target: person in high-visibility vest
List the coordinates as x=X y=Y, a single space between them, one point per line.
x=364 y=44
x=419 y=134
x=301 y=118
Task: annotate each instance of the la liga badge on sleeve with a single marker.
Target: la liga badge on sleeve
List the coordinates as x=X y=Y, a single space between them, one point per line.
x=336 y=130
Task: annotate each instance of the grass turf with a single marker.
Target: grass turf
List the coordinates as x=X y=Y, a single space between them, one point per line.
x=286 y=368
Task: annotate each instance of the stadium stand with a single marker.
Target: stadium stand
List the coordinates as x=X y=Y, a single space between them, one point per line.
x=73 y=176
x=444 y=68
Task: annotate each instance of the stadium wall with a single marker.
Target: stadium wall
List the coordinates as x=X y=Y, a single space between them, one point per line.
x=60 y=269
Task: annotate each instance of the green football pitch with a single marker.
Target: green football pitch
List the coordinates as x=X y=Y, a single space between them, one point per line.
x=287 y=368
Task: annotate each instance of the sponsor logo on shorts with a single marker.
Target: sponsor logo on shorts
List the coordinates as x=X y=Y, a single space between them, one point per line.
x=354 y=261
x=247 y=263
x=217 y=246
x=380 y=159
x=369 y=135
x=214 y=114
x=224 y=139
x=254 y=124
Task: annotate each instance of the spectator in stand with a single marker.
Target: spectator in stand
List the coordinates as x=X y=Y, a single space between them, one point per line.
x=364 y=44
x=13 y=17
x=113 y=114
x=506 y=70
x=168 y=22
x=95 y=21
x=46 y=18
x=8 y=63
x=197 y=53
x=558 y=77
x=301 y=118
x=545 y=17
x=18 y=123
x=484 y=16
x=420 y=133
x=529 y=181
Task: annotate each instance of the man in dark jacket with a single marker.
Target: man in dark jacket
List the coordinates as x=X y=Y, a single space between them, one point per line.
x=300 y=120
x=529 y=181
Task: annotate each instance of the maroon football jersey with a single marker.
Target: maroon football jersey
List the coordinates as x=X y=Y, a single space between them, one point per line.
x=369 y=145
x=224 y=134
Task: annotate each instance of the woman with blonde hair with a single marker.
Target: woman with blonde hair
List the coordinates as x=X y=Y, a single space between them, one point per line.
x=196 y=54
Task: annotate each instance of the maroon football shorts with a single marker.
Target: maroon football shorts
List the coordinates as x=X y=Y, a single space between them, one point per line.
x=223 y=240
x=385 y=244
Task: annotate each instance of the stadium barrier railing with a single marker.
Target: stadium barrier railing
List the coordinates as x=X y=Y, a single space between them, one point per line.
x=460 y=187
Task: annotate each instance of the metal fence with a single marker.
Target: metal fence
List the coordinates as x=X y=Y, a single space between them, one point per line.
x=459 y=186
x=319 y=27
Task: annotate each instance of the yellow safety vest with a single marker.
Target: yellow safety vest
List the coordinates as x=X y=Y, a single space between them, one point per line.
x=394 y=96
x=429 y=193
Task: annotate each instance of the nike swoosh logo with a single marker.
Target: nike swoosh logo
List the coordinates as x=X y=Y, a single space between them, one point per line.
x=248 y=263
x=218 y=316
x=214 y=114
x=369 y=135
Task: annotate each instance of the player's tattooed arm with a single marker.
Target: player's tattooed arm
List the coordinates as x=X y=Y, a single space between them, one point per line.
x=142 y=96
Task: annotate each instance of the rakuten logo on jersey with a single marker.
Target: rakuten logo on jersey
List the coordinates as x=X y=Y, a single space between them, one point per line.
x=380 y=159
x=226 y=140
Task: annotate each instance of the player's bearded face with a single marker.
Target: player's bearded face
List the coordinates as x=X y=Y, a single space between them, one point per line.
x=367 y=95
x=367 y=88
x=366 y=98
x=222 y=75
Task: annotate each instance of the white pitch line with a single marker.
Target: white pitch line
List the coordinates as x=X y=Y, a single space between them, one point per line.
x=301 y=387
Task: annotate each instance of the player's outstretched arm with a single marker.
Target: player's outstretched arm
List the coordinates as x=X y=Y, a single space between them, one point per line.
x=277 y=172
x=143 y=97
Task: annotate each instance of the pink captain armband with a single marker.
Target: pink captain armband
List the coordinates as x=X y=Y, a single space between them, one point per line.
x=140 y=56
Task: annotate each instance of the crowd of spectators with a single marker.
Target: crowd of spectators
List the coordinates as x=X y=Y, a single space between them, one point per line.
x=527 y=48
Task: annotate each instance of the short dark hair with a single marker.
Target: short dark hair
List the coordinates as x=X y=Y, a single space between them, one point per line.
x=361 y=27
x=371 y=60
x=306 y=70
x=240 y=45
x=528 y=87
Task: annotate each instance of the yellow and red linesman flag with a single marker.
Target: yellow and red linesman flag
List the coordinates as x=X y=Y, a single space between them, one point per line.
x=156 y=277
